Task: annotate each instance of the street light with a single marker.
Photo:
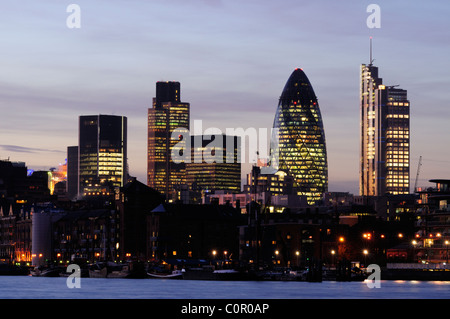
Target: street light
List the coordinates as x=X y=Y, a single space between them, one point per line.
x=367 y=236
x=365 y=252
x=414 y=243
x=213 y=252
x=446 y=244
x=333 y=252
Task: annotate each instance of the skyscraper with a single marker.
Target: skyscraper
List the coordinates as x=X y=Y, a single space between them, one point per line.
x=102 y=149
x=301 y=137
x=384 y=151
x=214 y=172
x=167 y=114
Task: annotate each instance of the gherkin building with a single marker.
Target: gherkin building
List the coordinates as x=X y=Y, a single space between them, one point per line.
x=301 y=138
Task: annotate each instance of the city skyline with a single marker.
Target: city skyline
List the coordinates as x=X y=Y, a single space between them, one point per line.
x=232 y=60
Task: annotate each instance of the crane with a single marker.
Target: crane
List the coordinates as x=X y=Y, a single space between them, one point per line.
x=418 y=171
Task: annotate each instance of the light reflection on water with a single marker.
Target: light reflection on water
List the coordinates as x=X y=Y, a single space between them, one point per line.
x=25 y=287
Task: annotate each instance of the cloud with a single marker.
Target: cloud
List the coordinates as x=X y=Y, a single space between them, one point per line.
x=23 y=149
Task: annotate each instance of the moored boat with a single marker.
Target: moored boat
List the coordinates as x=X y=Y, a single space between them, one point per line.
x=98 y=272
x=119 y=271
x=175 y=274
x=46 y=271
x=209 y=273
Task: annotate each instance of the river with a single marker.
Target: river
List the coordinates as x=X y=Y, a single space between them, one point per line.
x=28 y=287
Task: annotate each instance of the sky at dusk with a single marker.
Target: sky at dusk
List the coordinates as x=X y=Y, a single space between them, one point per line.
x=232 y=59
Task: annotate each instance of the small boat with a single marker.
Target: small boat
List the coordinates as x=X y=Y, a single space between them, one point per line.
x=98 y=272
x=175 y=274
x=83 y=272
x=209 y=273
x=121 y=271
x=46 y=271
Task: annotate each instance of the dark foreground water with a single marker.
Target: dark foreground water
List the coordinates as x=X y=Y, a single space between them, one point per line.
x=27 y=287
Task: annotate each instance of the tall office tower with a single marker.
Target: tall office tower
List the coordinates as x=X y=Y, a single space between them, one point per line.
x=301 y=138
x=167 y=114
x=218 y=167
x=384 y=152
x=102 y=149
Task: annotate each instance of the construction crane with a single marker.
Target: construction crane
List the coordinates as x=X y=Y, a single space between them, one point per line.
x=418 y=171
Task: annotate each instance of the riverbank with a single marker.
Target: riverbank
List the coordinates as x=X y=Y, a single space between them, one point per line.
x=141 y=271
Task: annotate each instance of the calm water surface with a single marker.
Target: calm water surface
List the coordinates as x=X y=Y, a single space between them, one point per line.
x=28 y=287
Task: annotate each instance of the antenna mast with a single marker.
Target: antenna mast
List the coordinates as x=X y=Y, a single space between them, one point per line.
x=371 y=60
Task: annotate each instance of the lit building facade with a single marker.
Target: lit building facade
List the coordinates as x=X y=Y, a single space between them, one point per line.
x=214 y=172
x=102 y=157
x=385 y=136
x=278 y=183
x=432 y=239
x=167 y=114
x=58 y=175
x=301 y=138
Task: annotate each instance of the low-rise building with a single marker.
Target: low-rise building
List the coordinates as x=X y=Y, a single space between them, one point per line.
x=432 y=241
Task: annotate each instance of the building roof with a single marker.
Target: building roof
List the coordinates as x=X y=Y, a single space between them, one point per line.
x=440 y=181
x=85 y=214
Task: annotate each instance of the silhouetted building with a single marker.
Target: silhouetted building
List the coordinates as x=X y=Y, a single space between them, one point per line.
x=134 y=201
x=72 y=172
x=21 y=185
x=290 y=239
x=89 y=235
x=194 y=231
x=432 y=240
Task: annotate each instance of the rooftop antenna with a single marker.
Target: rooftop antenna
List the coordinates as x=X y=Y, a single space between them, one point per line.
x=371 y=60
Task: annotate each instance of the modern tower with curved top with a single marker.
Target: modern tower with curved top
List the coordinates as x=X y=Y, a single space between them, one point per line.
x=301 y=138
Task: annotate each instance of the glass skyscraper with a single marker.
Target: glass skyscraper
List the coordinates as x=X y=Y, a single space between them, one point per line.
x=384 y=151
x=102 y=154
x=167 y=114
x=301 y=138
x=214 y=172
